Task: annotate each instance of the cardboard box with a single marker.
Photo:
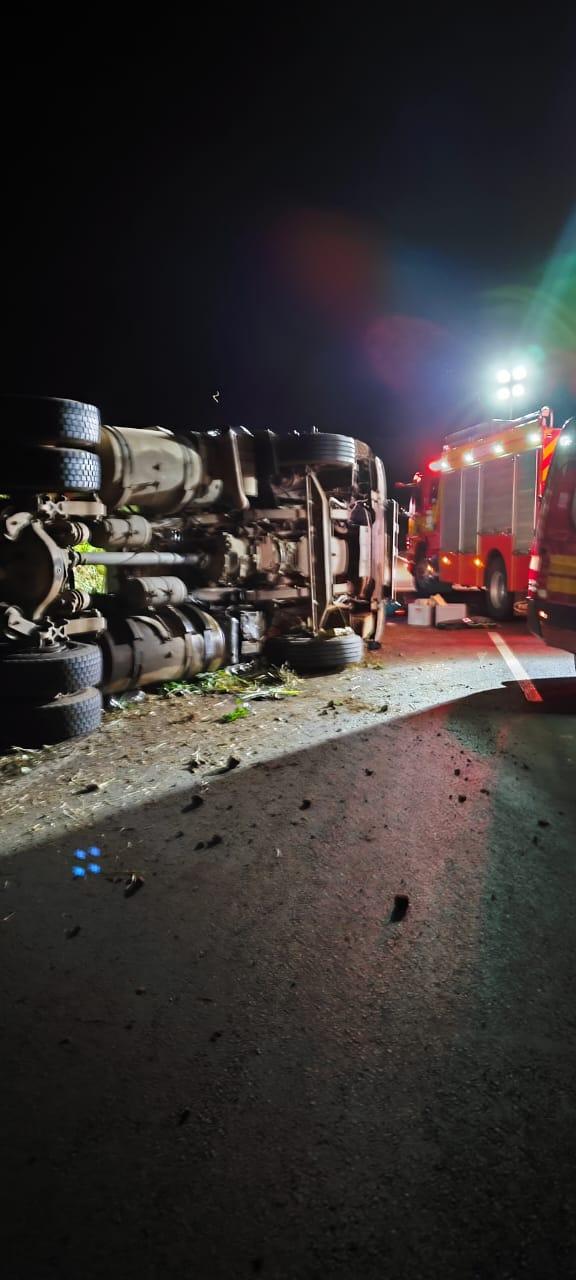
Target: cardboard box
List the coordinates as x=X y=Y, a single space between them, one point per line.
x=420 y=613
x=450 y=613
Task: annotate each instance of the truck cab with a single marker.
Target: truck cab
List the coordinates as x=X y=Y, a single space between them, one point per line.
x=552 y=573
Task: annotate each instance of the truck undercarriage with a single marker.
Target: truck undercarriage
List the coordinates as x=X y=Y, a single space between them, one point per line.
x=216 y=546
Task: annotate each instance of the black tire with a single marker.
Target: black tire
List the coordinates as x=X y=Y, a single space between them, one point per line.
x=317 y=449
x=49 y=470
x=30 y=674
x=499 y=600
x=47 y=420
x=43 y=723
x=425 y=584
x=314 y=653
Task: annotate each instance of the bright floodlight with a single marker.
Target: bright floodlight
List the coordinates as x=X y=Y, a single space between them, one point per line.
x=519 y=372
x=564 y=440
x=503 y=375
x=468 y=457
x=518 y=389
x=498 y=448
x=534 y=437
x=503 y=393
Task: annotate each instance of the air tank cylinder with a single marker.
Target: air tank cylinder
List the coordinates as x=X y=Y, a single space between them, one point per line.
x=152 y=593
x=152 y=469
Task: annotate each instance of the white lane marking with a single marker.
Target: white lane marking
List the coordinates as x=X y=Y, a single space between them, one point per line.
x=520 y=674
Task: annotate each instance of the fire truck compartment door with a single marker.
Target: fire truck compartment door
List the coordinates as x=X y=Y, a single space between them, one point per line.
x=526 y=488
x=469 y=525
x=450 y=510
x=497 y=494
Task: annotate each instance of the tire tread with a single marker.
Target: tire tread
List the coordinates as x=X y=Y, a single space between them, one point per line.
x=28 y=674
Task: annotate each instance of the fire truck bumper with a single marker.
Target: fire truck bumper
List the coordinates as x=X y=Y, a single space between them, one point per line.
x=554 y=623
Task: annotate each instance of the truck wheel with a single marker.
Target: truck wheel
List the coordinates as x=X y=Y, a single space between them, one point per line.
x=47 y=420
x=317 y=449
x=499 y=600
x=50 y=470
x=42 y=723
x=315 y=653
x=425 y=583
x=29 y=673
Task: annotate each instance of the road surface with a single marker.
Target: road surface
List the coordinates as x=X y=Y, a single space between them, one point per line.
x=247 y=1067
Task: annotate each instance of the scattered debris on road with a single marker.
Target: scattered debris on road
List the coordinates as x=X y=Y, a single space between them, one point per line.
x=195 y=803
x=401 y=904
x=196 y=762
x=238 y=713
x=249 y=680
x=231 y=763
x=133 y=884
x=118 y=702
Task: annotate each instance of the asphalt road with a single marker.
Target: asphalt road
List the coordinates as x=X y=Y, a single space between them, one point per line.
x=248 y=1068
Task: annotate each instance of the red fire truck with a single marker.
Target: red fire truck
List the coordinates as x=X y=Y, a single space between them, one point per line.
x=552 y=581
x=473 y=512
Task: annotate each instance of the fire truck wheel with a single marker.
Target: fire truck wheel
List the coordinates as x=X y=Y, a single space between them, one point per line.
x=48 y=420
x=499 y=600
x=316 y=653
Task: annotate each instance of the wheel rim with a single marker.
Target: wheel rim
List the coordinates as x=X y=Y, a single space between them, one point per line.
x=497 y=589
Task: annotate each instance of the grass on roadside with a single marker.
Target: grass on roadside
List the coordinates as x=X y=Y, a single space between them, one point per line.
x=90 y=577
x=249 y=682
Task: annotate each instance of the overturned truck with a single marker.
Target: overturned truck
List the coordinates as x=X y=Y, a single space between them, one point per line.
x=217 y=546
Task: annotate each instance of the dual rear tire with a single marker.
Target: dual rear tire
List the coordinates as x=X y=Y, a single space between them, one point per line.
x=61 y=438
x=46 y=420
x=49 y=446
x=48 y=696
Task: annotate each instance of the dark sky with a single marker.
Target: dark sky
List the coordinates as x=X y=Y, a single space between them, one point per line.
x=308 y=221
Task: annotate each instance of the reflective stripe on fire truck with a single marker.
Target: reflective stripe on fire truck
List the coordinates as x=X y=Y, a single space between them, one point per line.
x=563 y=564
x=561 y=578
x=547 y=455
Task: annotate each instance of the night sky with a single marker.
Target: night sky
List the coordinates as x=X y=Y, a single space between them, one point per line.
x=327 y=227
